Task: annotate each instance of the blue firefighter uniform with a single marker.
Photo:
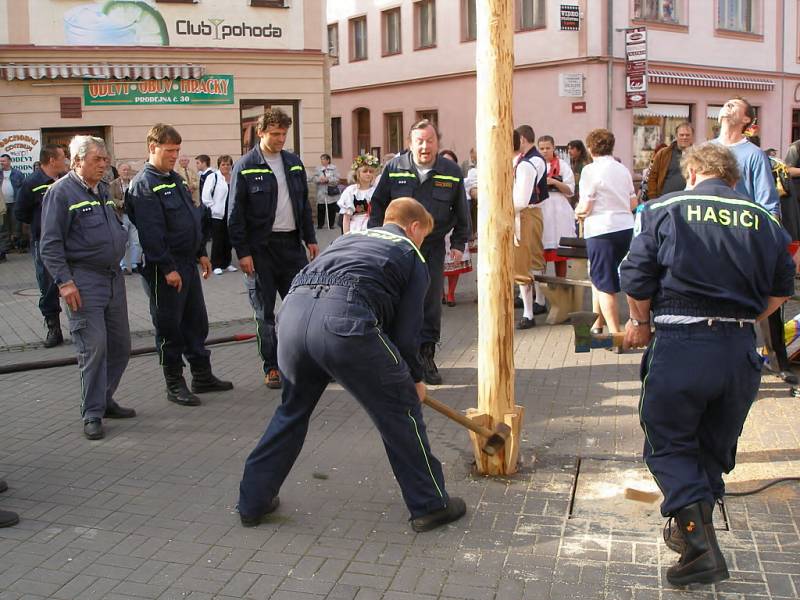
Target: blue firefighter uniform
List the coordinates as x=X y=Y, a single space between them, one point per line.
x=277 y=255
x=354 y=314
x=28 y=209
x=441 y=192
x=709 y=259
x=172 y=233
x=82 y=240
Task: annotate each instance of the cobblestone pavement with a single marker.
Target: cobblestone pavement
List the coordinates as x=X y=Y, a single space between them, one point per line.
x=148 y=512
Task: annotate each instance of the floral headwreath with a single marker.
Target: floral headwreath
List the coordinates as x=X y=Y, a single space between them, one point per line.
x=365 y=160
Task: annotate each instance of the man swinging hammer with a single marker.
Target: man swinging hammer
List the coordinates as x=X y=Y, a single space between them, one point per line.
x=362 y=297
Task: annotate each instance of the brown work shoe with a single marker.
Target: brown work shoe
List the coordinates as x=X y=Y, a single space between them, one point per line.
x=273 y=379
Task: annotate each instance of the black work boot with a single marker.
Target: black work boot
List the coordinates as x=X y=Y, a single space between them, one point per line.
x=430 y=372
x=177 y=391
x=54 y=335
x=203 y=380
x=701 y=560
x=673 y=537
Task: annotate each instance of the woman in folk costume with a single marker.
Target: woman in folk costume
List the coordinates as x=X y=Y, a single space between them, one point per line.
x=355 y=199
x=557 y=213
x=453 y=269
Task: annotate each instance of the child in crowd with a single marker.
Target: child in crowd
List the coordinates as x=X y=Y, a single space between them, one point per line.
x=355 y=199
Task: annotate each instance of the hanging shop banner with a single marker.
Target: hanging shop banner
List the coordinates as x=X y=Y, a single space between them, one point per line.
x=636 y=67
x=209 y=89
x=570 y=17
x=23 y=147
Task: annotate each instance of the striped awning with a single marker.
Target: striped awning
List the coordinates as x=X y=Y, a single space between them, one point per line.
x=735 y=82
x=13 y=71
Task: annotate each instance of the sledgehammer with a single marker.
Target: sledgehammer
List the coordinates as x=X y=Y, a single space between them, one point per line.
x=585 y=340
x=495 y=440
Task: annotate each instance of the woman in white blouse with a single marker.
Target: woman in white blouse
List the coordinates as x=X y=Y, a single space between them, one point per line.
x=215 y=196
x=606 y=205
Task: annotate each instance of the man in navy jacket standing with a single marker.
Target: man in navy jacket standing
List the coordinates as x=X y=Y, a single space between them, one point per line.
x=269 y=223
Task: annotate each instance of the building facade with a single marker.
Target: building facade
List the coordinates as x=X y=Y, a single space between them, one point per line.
x=113 y=69
x=396 y=61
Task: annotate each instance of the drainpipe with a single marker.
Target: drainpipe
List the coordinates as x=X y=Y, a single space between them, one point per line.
x=782 y=69
x=610 y=65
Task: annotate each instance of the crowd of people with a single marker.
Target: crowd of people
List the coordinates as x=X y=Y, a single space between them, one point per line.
x=379 y=290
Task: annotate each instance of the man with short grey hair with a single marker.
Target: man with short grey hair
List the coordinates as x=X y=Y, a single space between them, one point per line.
x=665 y=173
x=82 y=244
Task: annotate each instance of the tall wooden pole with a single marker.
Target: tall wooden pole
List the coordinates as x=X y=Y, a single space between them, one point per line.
x=495 y=68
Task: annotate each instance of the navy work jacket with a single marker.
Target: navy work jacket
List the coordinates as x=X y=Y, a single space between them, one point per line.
x=171 y=228
x=707 y=252
x=254 y=194
x=389 y=273
x=442 y=194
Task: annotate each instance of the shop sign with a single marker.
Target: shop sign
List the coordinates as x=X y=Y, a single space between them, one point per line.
x=570 y=85
x=209 y=89
x=579 y=107
x=570 y=17
x=636 y=67
x=23 y=147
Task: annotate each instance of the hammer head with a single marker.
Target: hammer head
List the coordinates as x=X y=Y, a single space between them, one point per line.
x=497 y=440
x=582 y=324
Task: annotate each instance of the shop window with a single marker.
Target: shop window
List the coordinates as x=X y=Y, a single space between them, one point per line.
x=653 y=126
x=336 y=137
x=530 y=14
x=394 y=132
x=333 y=43
x=712 y=120
x=358 y=39
x=251 y=110
x=742 y=16
x=671 y=12
x=795 y=125
x=391 y=31
x=425 y=21
x=469 y=20
x=429 y=115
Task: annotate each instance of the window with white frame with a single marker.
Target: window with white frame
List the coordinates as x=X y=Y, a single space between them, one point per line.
x=333 y=43
x=660 y=11
x=391 y=31
x=530 y=14
x=425 y=14
x=358 y=38
x=469 y=20
x=739 y=15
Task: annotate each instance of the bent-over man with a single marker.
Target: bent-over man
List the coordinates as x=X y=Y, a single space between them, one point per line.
x=708 y=263
x=355 y=314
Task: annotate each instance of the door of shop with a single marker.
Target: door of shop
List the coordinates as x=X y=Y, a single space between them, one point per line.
x=61 y=136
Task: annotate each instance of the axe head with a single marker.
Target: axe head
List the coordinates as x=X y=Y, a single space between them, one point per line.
x=582 y=324
x=497 y=440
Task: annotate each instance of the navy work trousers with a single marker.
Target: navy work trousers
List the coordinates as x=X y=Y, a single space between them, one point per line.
x=101 y=336
x=698 y=382
x=48 y=290
x=180 y=318
x=275 y=264
x=433 y=252
x=325 y=331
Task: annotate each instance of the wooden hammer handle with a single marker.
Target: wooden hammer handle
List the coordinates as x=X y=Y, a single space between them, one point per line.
x=457 y=417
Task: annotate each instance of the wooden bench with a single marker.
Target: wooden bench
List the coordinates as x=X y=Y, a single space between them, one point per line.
x=566 y=294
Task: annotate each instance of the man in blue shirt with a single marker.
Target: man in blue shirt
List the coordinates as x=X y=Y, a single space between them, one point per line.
x=355 y=314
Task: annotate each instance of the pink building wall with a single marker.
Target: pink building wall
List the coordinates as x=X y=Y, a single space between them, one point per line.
x=443 y=78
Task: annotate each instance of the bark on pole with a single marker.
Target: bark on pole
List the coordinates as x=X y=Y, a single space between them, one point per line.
x=494 y=128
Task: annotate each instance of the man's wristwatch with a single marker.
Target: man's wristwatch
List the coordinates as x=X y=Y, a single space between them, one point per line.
x=638 y=323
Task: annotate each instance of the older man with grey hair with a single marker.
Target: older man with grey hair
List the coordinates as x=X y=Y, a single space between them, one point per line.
x=82 y=244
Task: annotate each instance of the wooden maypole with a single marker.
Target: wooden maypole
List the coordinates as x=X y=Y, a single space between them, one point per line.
x=494 y=129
